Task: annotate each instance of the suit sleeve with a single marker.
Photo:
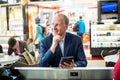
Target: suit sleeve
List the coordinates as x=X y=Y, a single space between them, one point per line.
x=45 y=55
x=81 y=58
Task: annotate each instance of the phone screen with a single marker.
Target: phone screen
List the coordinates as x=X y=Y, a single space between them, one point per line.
x=66 y=59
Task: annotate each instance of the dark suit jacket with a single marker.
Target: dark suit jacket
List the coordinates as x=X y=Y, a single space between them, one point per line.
x=72 y=47
x=22 y=45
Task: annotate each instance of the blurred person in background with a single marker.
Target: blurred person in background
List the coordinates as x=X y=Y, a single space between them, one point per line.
x=16 y=46
x=31 y=46
x=75 y=28
x=39 y=30
x=81 y=24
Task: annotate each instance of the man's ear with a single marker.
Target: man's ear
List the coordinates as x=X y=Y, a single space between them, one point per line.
x=66 y=26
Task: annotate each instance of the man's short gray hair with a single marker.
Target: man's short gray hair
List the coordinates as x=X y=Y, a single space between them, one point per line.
x=65 y=18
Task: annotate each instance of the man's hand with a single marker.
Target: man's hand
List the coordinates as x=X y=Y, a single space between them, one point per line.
x=55 y=42
x=66 y=65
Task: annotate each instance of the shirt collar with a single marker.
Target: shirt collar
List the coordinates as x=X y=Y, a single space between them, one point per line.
x=63 y=37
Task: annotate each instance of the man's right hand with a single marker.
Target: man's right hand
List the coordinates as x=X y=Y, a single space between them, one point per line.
x=55 y=42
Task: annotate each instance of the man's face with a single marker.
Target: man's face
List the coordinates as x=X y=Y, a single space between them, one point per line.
x=58 y=26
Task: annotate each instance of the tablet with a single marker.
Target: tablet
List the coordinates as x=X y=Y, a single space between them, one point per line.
x=66 y=59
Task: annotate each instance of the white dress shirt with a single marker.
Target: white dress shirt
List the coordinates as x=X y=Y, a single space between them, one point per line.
x=61 y=43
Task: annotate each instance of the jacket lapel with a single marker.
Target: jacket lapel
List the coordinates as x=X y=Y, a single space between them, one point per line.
x=58 y=50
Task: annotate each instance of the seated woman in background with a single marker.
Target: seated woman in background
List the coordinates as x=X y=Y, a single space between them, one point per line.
x=31 y=46
x=1 y=49
x=19 y=48
x=16 y=46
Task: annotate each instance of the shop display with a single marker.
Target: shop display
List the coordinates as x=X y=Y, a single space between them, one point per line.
x=108 y=9
x=3 y=20
x=104 y=36
x=46 y=17
x=15 y=18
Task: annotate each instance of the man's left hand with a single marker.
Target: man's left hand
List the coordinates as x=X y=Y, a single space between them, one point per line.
x=67 y=65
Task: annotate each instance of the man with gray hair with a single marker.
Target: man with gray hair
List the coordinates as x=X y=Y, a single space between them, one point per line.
x=61 y=44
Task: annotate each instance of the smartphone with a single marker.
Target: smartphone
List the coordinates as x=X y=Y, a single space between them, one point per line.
x=66 y=59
